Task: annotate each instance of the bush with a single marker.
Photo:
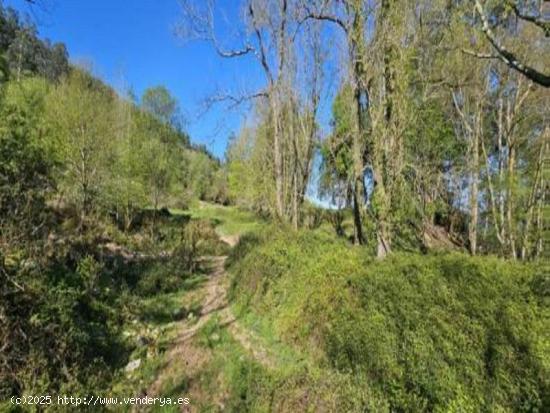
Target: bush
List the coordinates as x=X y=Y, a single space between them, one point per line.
x=64 y=330
x=441 y=332
x=158 y=278
x=180 y=256
x=198 y=238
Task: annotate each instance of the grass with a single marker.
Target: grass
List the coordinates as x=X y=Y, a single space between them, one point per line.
x=162 y=309
x=151 y=328
x=228 y=220
x=156 y=316
x=282 y=354
x=155 y=325
x=234 y=379
x=340 y=331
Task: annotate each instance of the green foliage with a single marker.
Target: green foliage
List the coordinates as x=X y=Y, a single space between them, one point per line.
x=76 y=150
x=158 y=278
x=251 y=150
x=246 y=384
x=24 y=162
x=203 y=178
x=290 y=383
x=113 y=157
x=423 y=333
x=26 y=54
x=71 y=328
x=336 y=171
x=159 y=102
x=4 y=70
x=80 y=114
x=88 y=269
x=433 y=150
x=74 y=300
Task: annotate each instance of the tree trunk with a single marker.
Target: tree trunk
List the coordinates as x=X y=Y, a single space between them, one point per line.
x=357 y=220
x=474 y=183
x=382 y=226
x=532 y=202
x=382 y=149
x=278 y=160
x=497 y=225
x=501 y=158
x=510 y=203
x=295 y=198
x=540 y=227
x=358 y=167
x=357 y=51
x=383 y=247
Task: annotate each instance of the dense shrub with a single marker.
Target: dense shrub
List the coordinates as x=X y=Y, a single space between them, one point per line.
x=441 y=332
x=64 y=329
x=62 y=311
x=158 y=278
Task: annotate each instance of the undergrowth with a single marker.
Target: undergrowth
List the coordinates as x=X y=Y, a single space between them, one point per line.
x=443 y=332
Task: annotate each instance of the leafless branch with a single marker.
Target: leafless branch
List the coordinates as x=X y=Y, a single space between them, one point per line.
x=233 y=100
x=199 y=25
x=508 y=57
x=323 y=15
x=479 y=55
x=261 y=54
x=538 y=21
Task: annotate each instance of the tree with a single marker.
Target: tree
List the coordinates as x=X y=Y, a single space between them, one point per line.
x=336 y=152
x=471 y=109
x=4 y=70
x=513 y=151
x=160 y=158
x=251 y=151
x=126 y=186
x=25 y=182
x=353 y=25
x=25 y=162
x=81 y=114
x=493 y=104
x=429 y=135
x=25 y=53
x=160 y=103
x=273 y=34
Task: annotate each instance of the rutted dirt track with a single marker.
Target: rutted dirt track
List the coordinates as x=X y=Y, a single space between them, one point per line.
x=187 y=358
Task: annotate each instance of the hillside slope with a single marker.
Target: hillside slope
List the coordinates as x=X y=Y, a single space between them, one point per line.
x=444 y=332
x=313 y=324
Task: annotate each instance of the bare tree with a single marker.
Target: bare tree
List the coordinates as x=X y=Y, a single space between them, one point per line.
x=471 y=110
x=272 y=32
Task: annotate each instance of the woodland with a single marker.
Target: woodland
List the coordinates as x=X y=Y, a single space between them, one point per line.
x=391 y=259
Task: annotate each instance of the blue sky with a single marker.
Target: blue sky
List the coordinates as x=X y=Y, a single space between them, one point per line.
x=133 y=43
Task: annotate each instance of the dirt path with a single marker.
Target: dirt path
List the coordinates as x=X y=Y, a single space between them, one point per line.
x=186 y=358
